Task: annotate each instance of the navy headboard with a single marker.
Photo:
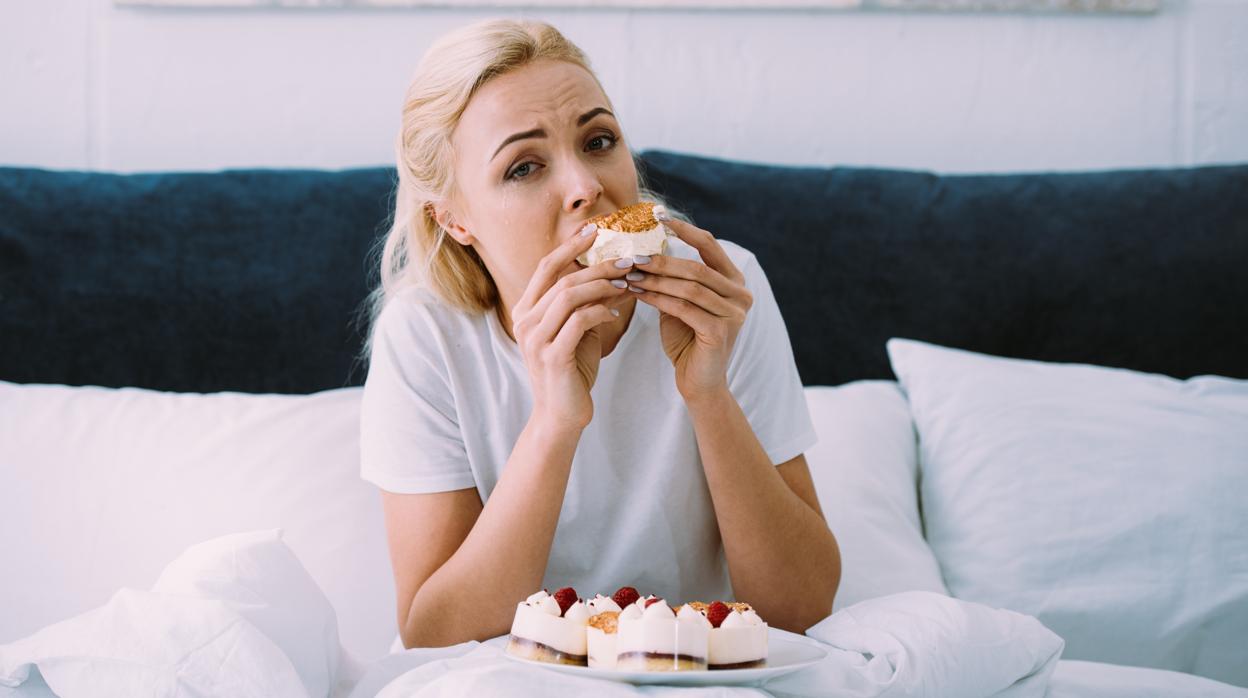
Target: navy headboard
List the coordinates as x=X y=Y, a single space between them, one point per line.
x=251 y=280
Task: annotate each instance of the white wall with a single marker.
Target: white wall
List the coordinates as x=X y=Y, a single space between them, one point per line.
x=86 y=85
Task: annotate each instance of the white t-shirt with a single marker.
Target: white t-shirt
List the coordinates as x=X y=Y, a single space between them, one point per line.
x=447 y=396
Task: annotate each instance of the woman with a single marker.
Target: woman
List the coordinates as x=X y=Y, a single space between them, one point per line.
x=533 y=423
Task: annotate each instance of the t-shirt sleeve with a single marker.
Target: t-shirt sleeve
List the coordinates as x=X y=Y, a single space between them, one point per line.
x=762 y=375
x=410 y=440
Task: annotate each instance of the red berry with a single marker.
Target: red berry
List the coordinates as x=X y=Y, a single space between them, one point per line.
x=565 y=597
x=650 y=601
x=624 y=596
x=717 y=612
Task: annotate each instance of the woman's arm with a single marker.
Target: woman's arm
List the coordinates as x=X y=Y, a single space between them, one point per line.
x=460 y=568
x=782 y=558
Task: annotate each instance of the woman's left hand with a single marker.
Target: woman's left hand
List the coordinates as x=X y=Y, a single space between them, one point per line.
x=701 y=307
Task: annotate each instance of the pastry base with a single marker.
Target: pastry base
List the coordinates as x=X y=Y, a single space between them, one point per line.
x=755 y=664
x=656 y=661
x=536 y=651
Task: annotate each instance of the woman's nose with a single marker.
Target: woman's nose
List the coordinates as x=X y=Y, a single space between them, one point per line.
x=582 y=188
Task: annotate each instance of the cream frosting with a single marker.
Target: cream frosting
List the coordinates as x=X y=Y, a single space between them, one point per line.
x=657 y=629
x=741 y=637
x=601 y=603
x=613 y=244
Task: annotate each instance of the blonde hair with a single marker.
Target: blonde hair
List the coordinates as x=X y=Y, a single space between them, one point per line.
x=416 y=251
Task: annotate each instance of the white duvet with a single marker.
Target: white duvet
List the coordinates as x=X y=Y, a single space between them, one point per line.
x=239 y=616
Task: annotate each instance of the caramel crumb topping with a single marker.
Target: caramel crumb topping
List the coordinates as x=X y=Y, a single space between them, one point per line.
x=740 y=607
x=698 y=606
x=637 y=218
x=607 y=621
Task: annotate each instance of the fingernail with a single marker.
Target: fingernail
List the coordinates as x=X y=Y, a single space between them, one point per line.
x=640 y=259
x=589 y=230
x=661 y=214
x=634 y=276
x=623 y=263
x=619 y=283
x=634 y=289
x=615 y=312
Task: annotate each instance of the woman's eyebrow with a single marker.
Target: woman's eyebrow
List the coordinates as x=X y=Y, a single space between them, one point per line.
x=534 y=133
x=539 y=133
x=584 y=118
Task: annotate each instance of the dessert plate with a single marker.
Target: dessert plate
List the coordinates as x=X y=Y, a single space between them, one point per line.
x=786 y=653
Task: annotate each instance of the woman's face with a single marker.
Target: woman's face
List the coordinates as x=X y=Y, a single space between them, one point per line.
x=537 y=153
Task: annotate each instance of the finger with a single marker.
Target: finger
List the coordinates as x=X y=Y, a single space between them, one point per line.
x=569 y=300
x=610 y=270
x=712 y=252
x=666 y=265
x=702 y=322
x=691 y=291
x=581 y=322
x=552 y=265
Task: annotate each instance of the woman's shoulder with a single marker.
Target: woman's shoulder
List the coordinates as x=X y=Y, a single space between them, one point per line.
x=416 y=314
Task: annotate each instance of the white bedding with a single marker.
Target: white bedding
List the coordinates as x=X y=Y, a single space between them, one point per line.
x=277 y=633
x=239 y=616
x=427 y=673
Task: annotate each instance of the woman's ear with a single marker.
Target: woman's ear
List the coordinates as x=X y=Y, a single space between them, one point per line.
x=446 y=220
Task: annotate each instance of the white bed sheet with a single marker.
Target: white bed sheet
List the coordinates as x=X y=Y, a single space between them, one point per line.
x=239 y=616
x=1070 y=679
x=1077 y=679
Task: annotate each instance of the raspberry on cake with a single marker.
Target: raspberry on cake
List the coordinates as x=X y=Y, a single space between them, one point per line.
x=652 y=637
x=550 y=628
x=738 y=637
x=625 y=596
x=630 y=231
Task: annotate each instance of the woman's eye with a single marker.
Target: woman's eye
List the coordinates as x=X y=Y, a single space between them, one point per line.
x=603 y=141
x=521 y=171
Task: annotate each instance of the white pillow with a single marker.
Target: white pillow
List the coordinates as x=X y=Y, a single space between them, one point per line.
x=923 y=644
x=866 y=474
x=236 y=615
x=1110 y=504
x=102 y=487
x=258 y=577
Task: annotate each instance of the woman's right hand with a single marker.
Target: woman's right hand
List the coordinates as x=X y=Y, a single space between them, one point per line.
x=556 y=323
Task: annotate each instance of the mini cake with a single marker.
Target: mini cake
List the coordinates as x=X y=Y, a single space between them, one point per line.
x=602 y=626
x=550 y=628
x=653 y=637
x=738 y=637
x=630 y=231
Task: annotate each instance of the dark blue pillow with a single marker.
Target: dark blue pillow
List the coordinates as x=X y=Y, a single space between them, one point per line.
x=242 y=280
x=1146 y=270
x=252 y=280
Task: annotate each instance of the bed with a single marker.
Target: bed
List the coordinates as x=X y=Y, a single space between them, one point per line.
x=179 y=389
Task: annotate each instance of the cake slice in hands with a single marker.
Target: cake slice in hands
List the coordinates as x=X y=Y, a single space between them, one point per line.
x=630 y=231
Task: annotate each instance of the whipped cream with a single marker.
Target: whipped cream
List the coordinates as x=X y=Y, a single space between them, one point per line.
x=536 y=597
x=550 y=606
x=601 y=603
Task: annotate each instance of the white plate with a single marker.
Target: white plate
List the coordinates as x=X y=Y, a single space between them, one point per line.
x=786 y=653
